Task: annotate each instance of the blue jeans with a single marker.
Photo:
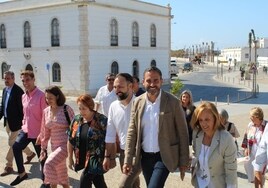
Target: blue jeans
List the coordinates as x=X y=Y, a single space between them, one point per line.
x=154 y=171
x=20 y=144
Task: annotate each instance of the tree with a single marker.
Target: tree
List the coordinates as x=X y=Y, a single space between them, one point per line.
x=176 y=87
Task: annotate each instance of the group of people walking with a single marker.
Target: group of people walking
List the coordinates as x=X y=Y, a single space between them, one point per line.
x=152 y=132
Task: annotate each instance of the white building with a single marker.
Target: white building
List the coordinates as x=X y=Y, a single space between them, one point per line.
x=242 y=55
x=75 y=43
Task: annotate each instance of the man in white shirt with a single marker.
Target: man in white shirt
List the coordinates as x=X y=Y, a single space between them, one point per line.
x=118 y=121
x=105 y=95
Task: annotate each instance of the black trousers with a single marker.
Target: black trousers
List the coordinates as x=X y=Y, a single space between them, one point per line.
x=87 y=179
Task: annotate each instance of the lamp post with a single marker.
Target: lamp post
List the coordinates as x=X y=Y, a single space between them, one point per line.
x=217 y=62
x=254 y=66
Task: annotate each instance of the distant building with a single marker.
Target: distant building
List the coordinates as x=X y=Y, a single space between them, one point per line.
x=75 y=43
x=242 y=55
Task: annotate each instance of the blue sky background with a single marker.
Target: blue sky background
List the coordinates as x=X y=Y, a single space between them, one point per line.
x=225 y=22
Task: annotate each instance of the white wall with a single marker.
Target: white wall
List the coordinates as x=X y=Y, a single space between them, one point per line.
x=68 y=55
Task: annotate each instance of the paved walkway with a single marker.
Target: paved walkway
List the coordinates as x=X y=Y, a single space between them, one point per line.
x=238 y=112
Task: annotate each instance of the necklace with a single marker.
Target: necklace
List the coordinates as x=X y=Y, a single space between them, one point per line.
x=205 y=152
x=88 y=120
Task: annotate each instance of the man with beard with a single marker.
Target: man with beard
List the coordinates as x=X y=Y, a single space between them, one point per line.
x=157 y=135
x=118 y=121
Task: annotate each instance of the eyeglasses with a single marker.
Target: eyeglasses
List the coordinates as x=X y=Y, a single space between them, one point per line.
x=110 y=79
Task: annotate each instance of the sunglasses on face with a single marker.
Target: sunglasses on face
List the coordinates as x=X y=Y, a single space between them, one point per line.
x=110 y=79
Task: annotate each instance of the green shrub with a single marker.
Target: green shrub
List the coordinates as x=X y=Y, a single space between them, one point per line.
x=176 y=87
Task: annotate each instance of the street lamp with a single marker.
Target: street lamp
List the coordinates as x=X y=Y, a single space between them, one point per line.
x=254 y=65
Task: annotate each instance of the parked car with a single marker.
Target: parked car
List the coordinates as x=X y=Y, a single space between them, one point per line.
x=187 y=67
x=174 y=69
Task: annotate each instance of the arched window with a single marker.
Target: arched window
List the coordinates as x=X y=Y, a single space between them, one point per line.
x=135 y=34
x=4 y=68
x=56 y=73
x=114 y=33
x=135 y=69
x=55 y=36
x=29 y=67
x=27 y=35
x=114 y=68
x=153 y=35
x=3 y=42
x=153 y=63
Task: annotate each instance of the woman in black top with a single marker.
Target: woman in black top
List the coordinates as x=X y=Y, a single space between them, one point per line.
x=188 y=107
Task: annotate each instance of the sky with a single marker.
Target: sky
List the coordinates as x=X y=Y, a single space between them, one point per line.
x=225 y=22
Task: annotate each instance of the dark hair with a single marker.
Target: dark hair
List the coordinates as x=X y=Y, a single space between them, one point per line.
x=27 y=73
x=136 y=78
x=153 y=69
x=11 y=73
x=87 y=100
x=55 y=90
x=127 y=76
x=109 y=75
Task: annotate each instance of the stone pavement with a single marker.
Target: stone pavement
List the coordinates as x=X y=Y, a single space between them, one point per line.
x=238 y=112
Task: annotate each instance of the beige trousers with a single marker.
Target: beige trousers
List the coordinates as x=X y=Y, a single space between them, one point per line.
x=132 y=180
x=11 y=140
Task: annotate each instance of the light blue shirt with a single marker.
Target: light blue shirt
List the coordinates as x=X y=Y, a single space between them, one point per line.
x=8 y=91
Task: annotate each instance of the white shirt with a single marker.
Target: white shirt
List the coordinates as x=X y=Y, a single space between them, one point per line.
x=102 y=93
x=107 y=101
x=118 y=122
x=261 y=157
x=203 y=174
x=150 y=125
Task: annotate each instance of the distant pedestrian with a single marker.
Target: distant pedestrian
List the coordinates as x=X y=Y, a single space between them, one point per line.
x=252 y=138
x=186 y=99
x=105 y=95
x=54 y=127
x=33 y=101
x=12 y=111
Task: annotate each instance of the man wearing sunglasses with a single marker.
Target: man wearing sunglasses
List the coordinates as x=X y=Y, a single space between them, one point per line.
x=105 y=95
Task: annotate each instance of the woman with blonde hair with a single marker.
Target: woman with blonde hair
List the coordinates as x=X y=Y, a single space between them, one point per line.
x=214 y=163
x=252 y=138
x=187 y=104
